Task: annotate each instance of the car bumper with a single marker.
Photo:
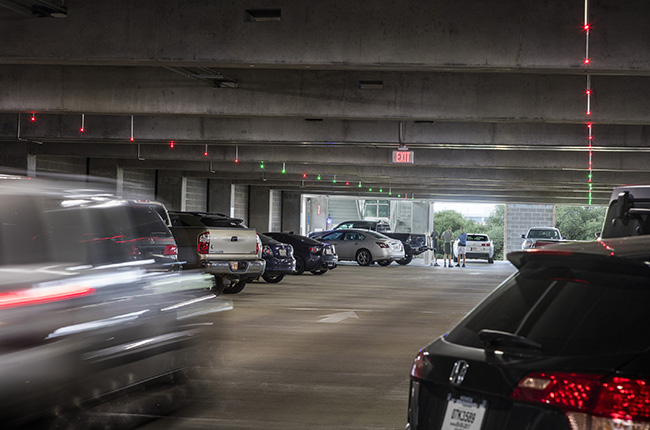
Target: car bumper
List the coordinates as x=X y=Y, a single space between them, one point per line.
x=388 y=254
x=235 y=267
x=279 y=266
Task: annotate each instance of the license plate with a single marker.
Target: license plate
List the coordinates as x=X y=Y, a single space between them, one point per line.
x=463 y=414
x=473 y=248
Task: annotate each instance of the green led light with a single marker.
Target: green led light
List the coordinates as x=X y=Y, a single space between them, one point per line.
x=369 y=189
x=262 y=165
x=381 y=190
x=399 y=195
x=334 y=181
x=318 y=177
x=359 y=184
x=390 y=193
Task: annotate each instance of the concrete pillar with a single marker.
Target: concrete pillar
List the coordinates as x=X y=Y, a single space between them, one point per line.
x=519 y=218
x=170 y=189
x=219 y=196
x=291 y=211
x=260 y=208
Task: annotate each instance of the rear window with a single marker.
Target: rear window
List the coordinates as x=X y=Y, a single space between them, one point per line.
x=568 y=311
x=477 y=238
x=543 y=234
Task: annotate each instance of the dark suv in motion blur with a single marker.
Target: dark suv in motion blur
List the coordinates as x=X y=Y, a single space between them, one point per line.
x=563 y=344
x=310 y=254
x=83 y=318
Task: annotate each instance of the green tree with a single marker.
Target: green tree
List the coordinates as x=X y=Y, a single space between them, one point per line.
x=579 y=222
x=442 y=220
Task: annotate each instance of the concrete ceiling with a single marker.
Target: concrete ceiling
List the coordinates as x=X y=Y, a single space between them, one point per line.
x=490 y=96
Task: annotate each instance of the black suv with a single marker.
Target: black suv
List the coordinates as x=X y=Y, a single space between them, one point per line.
x=628 y=213
x=561 y=345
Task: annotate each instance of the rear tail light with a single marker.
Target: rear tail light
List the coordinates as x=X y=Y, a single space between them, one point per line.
x=259 y=246
x=382 y=245
x=170 y=250
x=608 y=402
x=204 y=243
x=315 y=249
x=266 y=250
x=37 y=296
x=421 y=360
x=134 y=251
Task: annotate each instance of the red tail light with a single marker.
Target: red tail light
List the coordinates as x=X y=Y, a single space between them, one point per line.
x=315 y=249
x=609 y=400
x=204 y=243
x=170 y=250
x=382 y=245
x=37 y=296
x=420 y=361
x=266 y=250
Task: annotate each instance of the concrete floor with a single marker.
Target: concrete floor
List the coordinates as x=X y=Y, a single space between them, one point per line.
x=331 y=351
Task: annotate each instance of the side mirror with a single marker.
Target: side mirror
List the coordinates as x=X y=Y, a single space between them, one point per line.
x=523 y=236
x=622 y=204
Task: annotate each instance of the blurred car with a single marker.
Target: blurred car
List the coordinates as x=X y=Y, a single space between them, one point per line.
x=536 y=237
x=83 y=319
x=365 y=246
x=279 y=259
x=477 y=247
x=560 y=345
x=311 y=255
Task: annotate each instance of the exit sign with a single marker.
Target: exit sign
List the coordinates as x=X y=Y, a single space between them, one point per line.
x=403 y=156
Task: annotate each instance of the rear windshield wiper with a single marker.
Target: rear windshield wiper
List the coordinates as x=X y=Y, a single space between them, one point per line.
x=500 y=340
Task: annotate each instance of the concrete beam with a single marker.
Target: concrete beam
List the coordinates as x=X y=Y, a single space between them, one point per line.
x=483 y=97
x=439 y=34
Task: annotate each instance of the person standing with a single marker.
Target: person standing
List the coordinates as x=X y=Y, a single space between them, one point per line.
x=434 y=246
x=447 y=236
x=462 y=243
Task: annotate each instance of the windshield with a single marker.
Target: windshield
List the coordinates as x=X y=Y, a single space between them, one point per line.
x=543 y=234
x=568 y=311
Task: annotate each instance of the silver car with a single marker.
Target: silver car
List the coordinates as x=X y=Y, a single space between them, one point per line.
x=365 y=246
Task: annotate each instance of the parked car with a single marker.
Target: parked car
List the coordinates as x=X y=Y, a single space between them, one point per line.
x=477 y=247
x=545 y=351
x=365 y=246
x=279 y=259
x=536 y=237
x=311 y=255
x=84 y=320
x=628 y=213
x=219 y=245
x=414 y=244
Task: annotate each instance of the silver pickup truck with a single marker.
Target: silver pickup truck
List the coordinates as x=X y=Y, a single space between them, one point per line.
x=219 y=245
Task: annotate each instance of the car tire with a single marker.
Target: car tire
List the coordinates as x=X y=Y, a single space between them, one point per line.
x=218 y=286
x=364 y=258
x=384 y=262
x=235 y=288
x=273 y=279
x=300 y=265
x=406 y=260
x=319 y=271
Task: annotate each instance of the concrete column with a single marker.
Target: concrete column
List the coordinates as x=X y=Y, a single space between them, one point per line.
x=519 y=218
x=260 y=208
x=291 y=211
x=169 y=189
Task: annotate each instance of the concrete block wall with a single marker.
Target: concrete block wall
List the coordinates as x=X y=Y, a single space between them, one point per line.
x=196 y=194
x=139 y=184
x=276 y=210
x=239 y=204
x=519 y=218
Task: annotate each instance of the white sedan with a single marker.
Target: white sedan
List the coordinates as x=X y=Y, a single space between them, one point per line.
x=478 y=246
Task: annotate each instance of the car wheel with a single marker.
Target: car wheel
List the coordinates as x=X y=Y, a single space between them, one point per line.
x=300 y=265
x=490 y=260
x=235 y=287
x=218 y=286
x=406 y=260
x=272 y=279
x=384 y=262
x=363 y=257
x=319 y=271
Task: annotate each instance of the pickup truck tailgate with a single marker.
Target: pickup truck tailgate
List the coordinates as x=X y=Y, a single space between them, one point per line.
x=233 y=243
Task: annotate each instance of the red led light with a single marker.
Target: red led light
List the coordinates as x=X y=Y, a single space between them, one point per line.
x=588 y=112
x=171 y=143
x=591 y=137
x=236 y=160
x=205 y=153
x=588 y=92
x=132 y=139
x=33 y=118
x=304 y=175
x=586 y=27
x=347 y=183
x=81 y=130
x=587 y=61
